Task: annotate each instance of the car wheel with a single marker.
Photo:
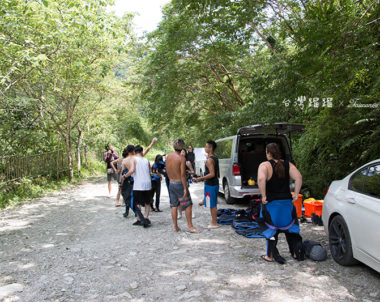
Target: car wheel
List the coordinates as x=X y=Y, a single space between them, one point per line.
x=227 y=194
x=340 y=242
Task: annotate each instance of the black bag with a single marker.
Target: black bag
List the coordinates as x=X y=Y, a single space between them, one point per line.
x=314 y=250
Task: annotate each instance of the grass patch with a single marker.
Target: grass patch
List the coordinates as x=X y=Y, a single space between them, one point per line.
x=17 y=192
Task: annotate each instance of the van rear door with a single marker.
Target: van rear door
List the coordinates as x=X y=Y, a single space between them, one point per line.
x=276 y=128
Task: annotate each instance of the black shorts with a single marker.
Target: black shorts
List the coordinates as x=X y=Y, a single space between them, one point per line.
x=142 y=197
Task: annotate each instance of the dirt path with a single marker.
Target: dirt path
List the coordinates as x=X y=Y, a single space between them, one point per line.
x=76 y=246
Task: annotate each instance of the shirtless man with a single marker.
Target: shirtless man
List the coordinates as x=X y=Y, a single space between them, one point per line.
x=127 y=182
x=179 y=192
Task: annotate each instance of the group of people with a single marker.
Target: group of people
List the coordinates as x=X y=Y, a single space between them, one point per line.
x=138 y=182
x=179 y=194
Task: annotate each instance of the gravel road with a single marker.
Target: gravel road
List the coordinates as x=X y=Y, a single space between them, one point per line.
x=74 y=245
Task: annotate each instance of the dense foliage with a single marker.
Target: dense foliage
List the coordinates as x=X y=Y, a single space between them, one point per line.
x=58 y=87
x=219 y=65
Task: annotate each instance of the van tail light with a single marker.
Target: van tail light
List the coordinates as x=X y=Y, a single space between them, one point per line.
x=235 y=170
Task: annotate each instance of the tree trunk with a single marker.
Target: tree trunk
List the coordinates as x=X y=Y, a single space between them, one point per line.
x=85 y=145
x=78 y=149
x=78 y=159
x=69 y=157
x=68 y=140
x=86 y=155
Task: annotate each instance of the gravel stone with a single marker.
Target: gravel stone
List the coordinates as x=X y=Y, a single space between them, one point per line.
x=74 y=245
x=8 y=290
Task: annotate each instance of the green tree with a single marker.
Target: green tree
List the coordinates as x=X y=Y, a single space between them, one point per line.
x=83 y=44
x=218 y=65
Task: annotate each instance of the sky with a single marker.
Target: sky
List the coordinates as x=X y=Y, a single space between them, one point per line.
x=149 y=12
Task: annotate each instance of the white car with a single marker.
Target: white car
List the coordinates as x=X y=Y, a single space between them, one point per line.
x=351 y=217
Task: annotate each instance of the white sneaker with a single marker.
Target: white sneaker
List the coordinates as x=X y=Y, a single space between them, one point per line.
x=179 y=217
x=192 y=215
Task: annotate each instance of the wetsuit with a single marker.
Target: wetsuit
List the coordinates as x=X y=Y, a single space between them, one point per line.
x=162 y=170
x=156 y=186
x=280 y=215
x=127 y=193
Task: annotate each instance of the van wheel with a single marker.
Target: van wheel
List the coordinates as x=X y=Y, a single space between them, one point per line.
x=340 y=242
x=227 y=194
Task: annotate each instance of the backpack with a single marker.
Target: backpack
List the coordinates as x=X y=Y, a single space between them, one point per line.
x=314 y=250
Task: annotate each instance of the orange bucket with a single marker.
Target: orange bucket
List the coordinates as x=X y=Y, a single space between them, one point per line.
x=313 y=206
x=298 y=205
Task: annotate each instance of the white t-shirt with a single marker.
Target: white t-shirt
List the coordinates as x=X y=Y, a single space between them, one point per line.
x=142 y=179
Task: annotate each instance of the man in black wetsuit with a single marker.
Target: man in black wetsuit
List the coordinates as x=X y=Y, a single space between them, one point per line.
x=126 y=184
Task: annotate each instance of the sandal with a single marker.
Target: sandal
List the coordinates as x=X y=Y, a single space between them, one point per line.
x=194 y=230
x=265 y=259
x=213 y=226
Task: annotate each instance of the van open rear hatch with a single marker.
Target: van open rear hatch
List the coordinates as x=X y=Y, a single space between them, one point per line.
x=251 y=147
x=276 y=128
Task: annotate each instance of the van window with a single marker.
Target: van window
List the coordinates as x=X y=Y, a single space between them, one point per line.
x=224 y=148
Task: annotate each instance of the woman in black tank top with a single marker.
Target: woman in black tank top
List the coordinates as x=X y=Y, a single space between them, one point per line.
x=277 y=210
x=277 y=188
